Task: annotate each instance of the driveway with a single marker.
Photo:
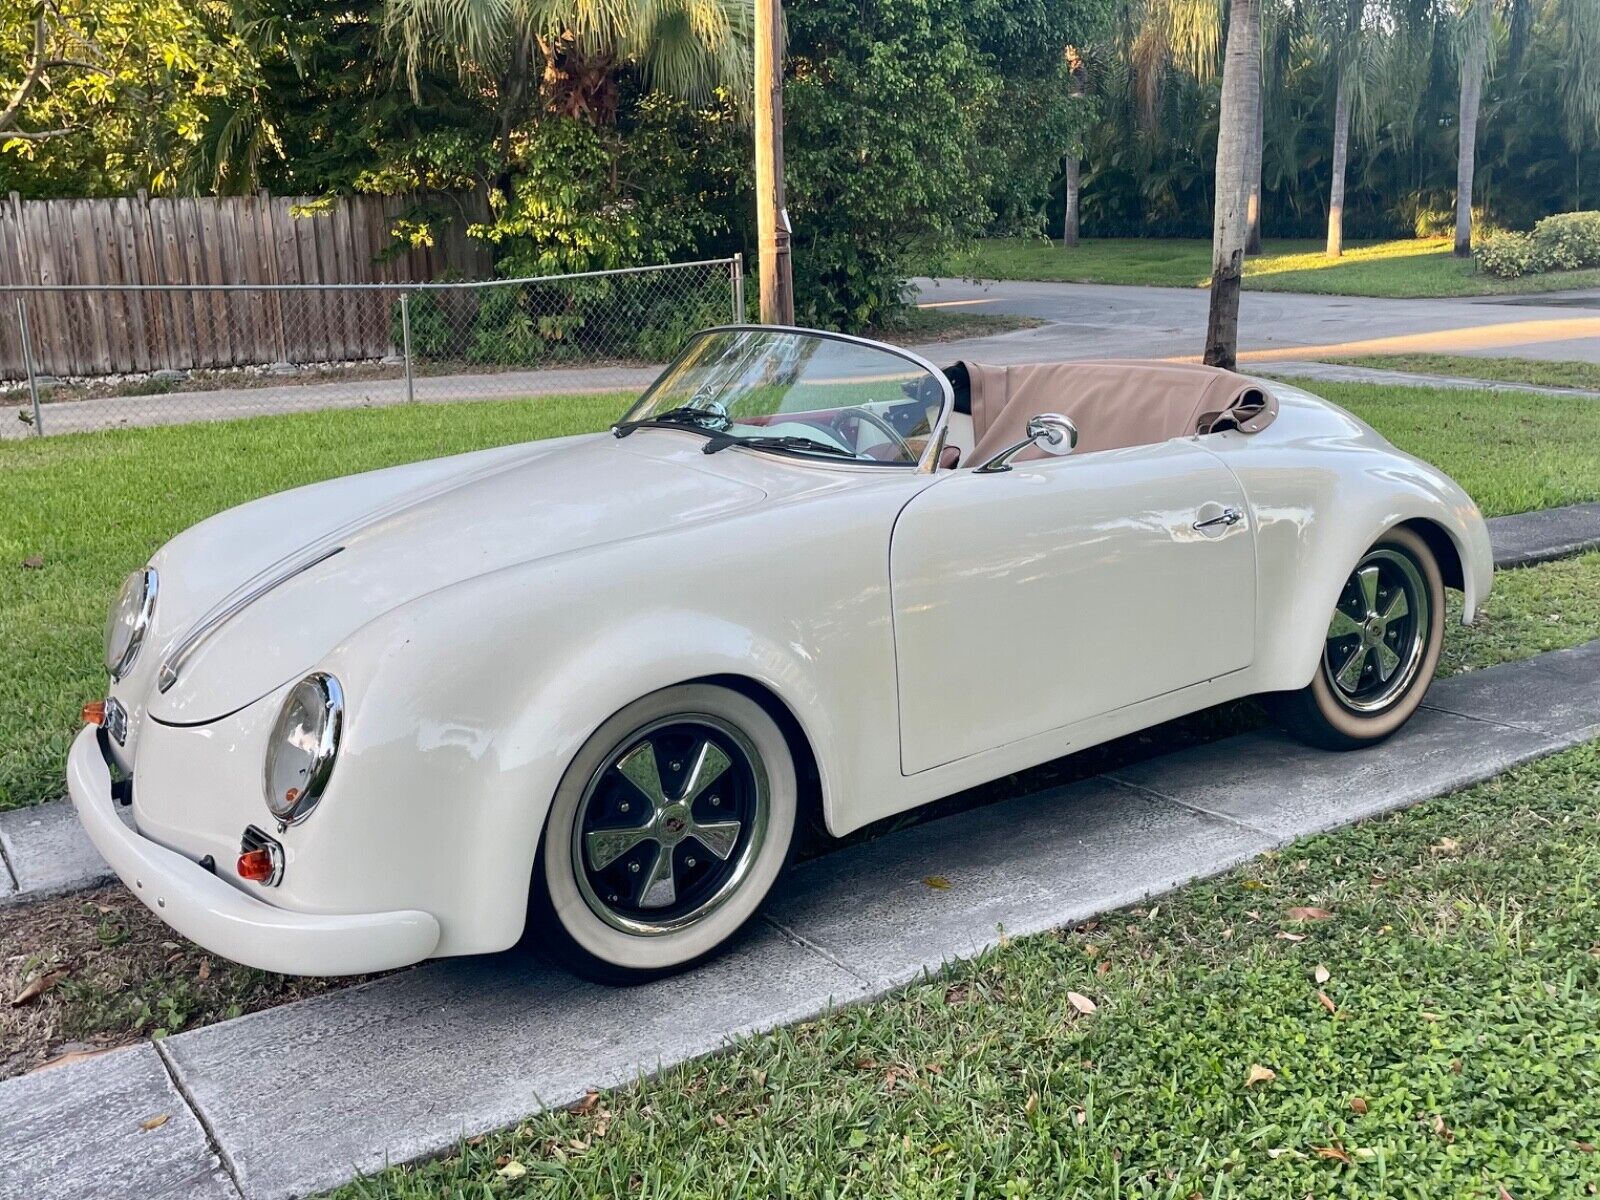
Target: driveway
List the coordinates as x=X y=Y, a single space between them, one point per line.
x=1105 y=321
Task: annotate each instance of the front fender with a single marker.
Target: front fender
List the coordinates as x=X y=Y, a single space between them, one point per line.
x=466 y=706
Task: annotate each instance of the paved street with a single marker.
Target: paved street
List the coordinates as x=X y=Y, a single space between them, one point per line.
x=1082 y=321
x=1101 y=321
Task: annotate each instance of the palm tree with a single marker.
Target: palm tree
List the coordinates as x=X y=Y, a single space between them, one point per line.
x=1241 y=89
x=1474 y=29
x=1078 y=73
x=562 y=56
x=1343 y=27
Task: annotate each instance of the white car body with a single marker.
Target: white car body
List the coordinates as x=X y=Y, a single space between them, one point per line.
x=926 y=631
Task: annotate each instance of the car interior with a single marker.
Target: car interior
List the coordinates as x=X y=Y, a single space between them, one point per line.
x=1113 y=403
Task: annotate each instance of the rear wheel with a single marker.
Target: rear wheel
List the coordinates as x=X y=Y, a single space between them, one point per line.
x=1380 y=652
x=665 y=835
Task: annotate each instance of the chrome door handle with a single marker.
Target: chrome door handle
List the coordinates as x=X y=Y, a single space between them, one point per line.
x=1229 y=516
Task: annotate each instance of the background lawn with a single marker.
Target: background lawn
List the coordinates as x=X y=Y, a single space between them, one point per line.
x=1585 y=375
x=1435 y=1034
x=1410 y=268
x=89 y=508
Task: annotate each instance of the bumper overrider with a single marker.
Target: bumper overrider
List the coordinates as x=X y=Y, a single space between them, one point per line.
x=213 y=912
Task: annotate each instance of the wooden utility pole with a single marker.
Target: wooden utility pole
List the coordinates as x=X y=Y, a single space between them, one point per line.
x=772 y=217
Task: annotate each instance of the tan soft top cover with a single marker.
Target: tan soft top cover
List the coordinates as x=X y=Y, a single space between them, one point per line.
x=1114 y=403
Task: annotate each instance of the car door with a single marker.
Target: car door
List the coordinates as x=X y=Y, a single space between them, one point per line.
x=1064 y=588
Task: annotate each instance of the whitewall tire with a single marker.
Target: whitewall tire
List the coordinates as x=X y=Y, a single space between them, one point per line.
x=665 y=835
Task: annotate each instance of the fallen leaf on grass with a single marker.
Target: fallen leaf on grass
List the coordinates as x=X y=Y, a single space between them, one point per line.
x=1443 y=1130
x=512 y=1170
x=1358 y=1105
x=957 y=993
x=590 y=1099
x=1286 y=936
x=38 y=986
x=33 y=563
x=155 y=1122
x=1445 y=846
x=1259 y=1074
x=205 y=969
x=1321 y=974
x=1586 y=1147
x=1504 y=1195
x=937 y=882
x=1082 y=1003
x=1032 y=1104
x=1335 y=1152
x=1309 y=913
x=1324 y=1000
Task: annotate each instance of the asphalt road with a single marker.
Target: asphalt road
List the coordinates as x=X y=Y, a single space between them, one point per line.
x=1082 y=321
x=1102 y=321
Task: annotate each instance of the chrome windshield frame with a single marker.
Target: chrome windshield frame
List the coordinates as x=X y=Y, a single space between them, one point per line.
x=929 y=461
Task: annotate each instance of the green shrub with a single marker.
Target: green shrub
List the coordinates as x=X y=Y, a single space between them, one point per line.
x=1568 y=241
x=1563 y=242
x=1508 y=254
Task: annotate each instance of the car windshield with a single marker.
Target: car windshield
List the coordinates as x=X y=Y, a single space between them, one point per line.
x=800 y=393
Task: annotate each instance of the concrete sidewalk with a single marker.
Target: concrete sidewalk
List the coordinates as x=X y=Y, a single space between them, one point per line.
x=44 y=851
x=1337 y=372
x=300 y=1098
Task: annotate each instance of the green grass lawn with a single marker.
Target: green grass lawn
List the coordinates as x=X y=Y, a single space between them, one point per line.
x=89 y=508
x=1408 y=268
x=1437 y=1034
x=1585 y=375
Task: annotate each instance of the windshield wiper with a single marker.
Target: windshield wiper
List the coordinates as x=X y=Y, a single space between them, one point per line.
x=685 y=414
x=786 y=442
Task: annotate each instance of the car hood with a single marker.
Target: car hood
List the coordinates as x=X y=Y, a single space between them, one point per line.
x=390 y=537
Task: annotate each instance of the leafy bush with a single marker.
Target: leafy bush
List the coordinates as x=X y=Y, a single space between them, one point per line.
x=1507 y=254
x=1567 y=241
x=430 y=326
x=1563 y=242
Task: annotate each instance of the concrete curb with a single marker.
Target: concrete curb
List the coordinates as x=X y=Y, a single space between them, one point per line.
x=47 y=853
x=405 y=1066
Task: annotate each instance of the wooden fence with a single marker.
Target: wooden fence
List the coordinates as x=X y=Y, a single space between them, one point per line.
x=260 y=239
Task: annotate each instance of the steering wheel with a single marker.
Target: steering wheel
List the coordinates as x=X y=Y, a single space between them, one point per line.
x=872 y=418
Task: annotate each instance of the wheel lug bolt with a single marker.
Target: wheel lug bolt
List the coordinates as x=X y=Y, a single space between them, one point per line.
x=688 y=862
x=623 y=807
x=634 y=867
x=677 y=766
x=716 y=801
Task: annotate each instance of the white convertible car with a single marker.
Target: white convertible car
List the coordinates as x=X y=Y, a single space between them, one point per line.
x=590 y=685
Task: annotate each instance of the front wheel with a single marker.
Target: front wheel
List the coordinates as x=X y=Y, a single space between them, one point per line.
x=665 y=834
x=1380 y=652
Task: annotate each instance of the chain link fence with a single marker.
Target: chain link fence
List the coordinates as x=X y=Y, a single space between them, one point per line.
x=84 y=358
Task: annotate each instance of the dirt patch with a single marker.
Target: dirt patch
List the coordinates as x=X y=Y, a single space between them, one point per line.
x=106 y=973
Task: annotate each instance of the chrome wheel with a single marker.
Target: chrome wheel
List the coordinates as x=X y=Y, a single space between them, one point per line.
x=1379 y=633
x=669 y=825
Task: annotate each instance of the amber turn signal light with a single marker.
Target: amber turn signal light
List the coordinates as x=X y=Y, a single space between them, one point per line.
x=94 y=712
x=255 y=865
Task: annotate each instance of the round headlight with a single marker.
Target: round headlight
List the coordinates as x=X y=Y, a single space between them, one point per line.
x=304 y=743
x=130 y=620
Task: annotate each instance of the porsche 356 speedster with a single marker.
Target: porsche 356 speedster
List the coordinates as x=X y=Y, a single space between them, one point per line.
x=590 y=686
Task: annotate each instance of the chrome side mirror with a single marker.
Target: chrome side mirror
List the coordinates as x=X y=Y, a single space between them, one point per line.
x=1051 y=432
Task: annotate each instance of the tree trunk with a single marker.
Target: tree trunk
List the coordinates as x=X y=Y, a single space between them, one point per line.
x=1069 y=219
x=1241 y=90
x=1252 y=240
x=1472 y=67
x=1341 y=151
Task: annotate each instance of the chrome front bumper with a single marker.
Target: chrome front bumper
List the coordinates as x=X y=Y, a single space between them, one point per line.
x=222 y=918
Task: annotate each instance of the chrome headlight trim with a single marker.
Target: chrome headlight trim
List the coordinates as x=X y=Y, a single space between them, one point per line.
x=319 y=696
x=129 y=620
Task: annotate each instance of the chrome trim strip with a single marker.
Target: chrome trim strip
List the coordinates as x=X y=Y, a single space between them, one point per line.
x=230 y=607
